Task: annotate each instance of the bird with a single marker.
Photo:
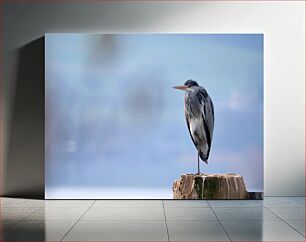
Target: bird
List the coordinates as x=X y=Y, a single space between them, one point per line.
x=200 y=117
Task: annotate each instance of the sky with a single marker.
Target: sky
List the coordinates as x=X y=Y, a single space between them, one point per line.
x=114 y=123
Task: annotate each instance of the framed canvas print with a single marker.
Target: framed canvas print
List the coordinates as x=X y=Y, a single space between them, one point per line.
x=153 y=116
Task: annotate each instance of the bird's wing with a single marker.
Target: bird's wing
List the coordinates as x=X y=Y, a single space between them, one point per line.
x=208 y=115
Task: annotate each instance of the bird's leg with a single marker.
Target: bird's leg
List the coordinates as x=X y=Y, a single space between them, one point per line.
x=198 y=163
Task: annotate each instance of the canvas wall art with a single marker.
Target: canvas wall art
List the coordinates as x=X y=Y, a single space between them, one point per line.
x=115 y=128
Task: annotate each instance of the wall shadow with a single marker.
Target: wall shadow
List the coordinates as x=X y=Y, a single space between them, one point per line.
x=24 y=171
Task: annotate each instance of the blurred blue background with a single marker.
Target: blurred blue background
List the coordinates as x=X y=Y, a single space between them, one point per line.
x=115 y=127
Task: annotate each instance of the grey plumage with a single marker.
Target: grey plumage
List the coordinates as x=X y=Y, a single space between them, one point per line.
x=199 y=113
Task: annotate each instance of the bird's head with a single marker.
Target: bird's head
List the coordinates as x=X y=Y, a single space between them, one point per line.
x=187 y=84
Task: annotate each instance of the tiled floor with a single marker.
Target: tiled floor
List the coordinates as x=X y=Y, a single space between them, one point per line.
x=274 y=219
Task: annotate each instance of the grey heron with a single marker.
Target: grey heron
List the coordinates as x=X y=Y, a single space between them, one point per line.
x=200 y=118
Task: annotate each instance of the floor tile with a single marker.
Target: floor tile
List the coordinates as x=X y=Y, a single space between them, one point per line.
x=7 y=227
x=21 y=203
x=140 y=220
x=128 y=204
x=39 y=230
x=289 y=213
x=235 y=203
x=118 y=231
x=185 y=204
x=57 y=214
x=300 y=200
x=244 y=214
x=261 y=231
x=124 y=214
x=69 y=203
x=196 y=231
x=298 y=225
x=16 y=213
x=189 y=214
x=281 y=202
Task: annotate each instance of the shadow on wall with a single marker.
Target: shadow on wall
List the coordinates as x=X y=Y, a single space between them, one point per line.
x=24 y=172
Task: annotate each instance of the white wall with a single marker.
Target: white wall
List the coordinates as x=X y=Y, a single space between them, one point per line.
x=283 y=25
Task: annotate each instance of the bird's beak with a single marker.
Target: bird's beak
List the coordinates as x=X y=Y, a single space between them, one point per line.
x=180 y=87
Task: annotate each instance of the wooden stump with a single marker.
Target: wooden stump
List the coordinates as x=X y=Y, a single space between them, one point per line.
x=212 y=186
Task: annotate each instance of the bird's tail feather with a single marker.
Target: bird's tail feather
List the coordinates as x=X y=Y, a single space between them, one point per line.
x=204 y=157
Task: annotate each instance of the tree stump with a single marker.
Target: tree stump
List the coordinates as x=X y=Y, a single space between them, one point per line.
x=212 y=186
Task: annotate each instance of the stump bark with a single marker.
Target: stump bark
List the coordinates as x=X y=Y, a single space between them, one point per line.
x=212 y=186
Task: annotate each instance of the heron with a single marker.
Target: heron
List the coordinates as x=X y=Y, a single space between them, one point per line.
x=200 y=118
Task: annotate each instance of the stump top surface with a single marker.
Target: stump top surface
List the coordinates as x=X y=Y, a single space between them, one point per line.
x=228 y=175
